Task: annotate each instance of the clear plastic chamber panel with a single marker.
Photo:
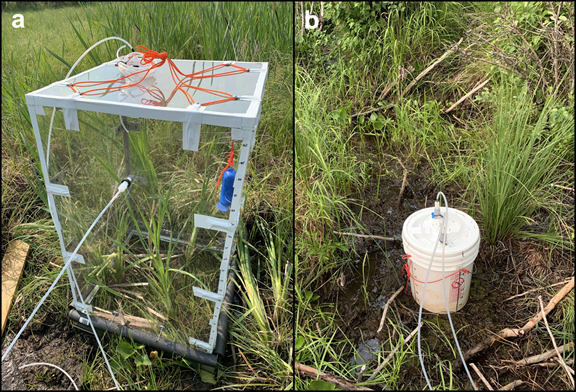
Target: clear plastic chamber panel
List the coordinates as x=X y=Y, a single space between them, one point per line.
x=145 y=256
x=147 y=262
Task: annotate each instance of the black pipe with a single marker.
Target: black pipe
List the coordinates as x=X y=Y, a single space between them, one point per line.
x=170 y=346
x=149 y=339
x=220 y=348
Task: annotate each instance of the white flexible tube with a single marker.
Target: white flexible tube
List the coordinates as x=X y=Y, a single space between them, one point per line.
x=444 y=291
x=442 y=230
x=123 y=126
x=119 y=49
x=71 y=272
x=67 y=75
x=92 y=47
x=420 y=312
x=49 y=136
x=49 y=364
x=58 y=277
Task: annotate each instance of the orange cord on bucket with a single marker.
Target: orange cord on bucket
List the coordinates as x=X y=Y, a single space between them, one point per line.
x=230 y=164
x=406 y=270
x=148 y=58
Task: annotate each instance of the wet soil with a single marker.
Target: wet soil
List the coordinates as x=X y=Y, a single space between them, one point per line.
x=499 y=273
x=45 y=340
x=54 y=340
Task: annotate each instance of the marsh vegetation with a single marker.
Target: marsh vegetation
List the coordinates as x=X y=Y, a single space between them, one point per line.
x=396 y=101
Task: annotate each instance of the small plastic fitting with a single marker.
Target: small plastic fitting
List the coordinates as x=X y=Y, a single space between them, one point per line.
x=442 y=236
x=436 y=213
x=125 y=183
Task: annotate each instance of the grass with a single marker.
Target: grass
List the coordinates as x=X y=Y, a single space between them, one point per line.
x=178 y=184
x=264 y=330
x=326 y=172
x=502 y=156
x=510 y=191
x=321 y=344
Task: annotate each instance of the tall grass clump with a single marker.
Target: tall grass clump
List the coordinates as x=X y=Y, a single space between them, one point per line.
x=365 y=45
x=522 y=160
x=197 y=30
x=327 y=172
x=264 y=329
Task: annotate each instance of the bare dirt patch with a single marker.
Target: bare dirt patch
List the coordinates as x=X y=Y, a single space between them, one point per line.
x=54 y=342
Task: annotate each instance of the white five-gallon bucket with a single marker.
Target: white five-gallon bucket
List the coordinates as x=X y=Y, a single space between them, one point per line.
x=419 y=235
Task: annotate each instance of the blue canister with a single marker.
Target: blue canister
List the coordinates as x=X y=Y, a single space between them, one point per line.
x=227 y=189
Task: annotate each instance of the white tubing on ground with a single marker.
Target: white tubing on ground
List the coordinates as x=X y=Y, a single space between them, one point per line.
x=442 y=230
x=72 y=256
x=93 y=329
x=49 y=364
x=444 y=292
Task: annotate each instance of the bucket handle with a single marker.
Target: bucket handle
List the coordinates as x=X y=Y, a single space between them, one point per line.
x=406 y=269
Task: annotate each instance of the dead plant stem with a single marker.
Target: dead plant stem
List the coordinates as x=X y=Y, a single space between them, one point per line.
x=560 y=359
x=386 y=309
x=475 y=89
x=473 y=366
x=376 y=237
x=514 y=332
x=431 y=67
x=389 y=357
x=333 y=379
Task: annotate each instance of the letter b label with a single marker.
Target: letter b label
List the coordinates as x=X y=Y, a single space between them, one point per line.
x=307 y=19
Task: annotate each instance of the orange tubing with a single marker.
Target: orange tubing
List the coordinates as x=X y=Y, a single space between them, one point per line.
x=148 y=57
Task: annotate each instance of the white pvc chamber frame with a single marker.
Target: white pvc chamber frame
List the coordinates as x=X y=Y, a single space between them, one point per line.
x=67 y=178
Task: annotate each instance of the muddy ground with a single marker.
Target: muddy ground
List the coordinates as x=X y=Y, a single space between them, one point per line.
x=54 y=340
x=499 y=273
x=45 y=340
